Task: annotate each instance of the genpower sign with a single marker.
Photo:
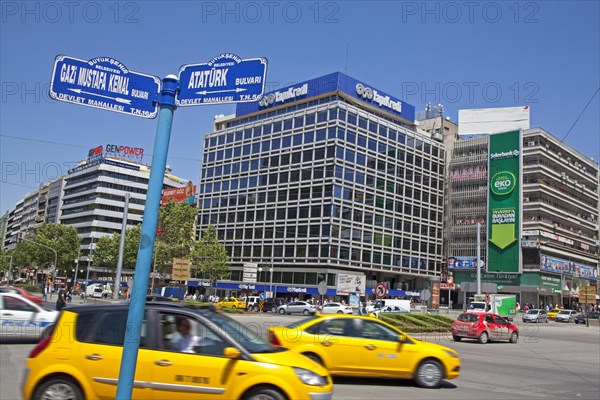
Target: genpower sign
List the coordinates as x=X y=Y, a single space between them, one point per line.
x=504 y=203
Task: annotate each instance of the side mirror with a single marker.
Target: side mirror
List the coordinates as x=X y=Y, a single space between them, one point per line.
x=232 y=353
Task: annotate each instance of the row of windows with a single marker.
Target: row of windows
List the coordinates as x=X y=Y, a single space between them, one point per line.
x=320 y=116
x=91 y=207
x=359 y=141
x=110 y=174
x=316 y=252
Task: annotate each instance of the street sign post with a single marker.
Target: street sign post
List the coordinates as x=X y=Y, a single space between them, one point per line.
x=105 y=83
x=224 y=79
x=380 y=290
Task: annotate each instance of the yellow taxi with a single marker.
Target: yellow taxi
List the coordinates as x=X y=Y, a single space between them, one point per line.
x=233 y=302
x=362 y=346
x=185 y=352
x=552 y=313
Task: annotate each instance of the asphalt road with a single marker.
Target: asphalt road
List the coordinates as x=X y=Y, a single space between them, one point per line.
x=551 y=361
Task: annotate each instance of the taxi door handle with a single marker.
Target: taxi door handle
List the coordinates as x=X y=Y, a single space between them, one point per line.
x=163 y=363
x=7 y=314
x=370 y=347
x=94 y=357
x=326 y=343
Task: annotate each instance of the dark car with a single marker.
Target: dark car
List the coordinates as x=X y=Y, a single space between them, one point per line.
x=271 y=304
x=581 y=318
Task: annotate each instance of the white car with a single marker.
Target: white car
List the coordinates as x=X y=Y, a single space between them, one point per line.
x=566 y=316
x=336 y=308
x=21 y=319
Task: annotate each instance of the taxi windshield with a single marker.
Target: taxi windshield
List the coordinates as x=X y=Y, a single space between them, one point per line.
x=247 y=337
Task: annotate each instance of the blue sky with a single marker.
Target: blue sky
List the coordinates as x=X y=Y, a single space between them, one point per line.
x=545 y=54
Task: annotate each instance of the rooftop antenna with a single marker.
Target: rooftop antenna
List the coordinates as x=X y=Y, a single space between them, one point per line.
x=346 y=66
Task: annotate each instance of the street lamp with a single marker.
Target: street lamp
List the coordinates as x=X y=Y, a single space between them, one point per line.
x=259 y=271
x=271 y=283
x=77 y=266
x=87 y=276
x=55 y=259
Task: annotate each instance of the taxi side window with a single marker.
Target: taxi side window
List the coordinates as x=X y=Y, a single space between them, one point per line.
x=377 y=331
x=14 y=304
x=106 y=328
x=333 y=327
x=187 y=335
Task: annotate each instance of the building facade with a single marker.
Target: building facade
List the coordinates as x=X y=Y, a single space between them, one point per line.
x=93 y=199
x=559 y=243
x=322 y=178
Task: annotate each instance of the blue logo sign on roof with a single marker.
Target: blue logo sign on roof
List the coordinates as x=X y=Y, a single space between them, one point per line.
x=224 y=79
x=105 y=83
x=330 y=84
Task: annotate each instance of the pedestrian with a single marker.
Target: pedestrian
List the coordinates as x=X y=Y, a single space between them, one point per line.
x=61 y=302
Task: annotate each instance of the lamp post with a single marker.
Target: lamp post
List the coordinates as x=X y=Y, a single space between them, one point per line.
x=87 y=275
x=271 y=283
x=77 y=267
x=55 y=259
x=259 y=271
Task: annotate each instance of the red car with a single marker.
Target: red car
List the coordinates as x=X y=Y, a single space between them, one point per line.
x=484 y=327
x=22 y=292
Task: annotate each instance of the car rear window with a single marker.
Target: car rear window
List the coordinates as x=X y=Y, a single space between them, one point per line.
x=105 y=327
x=468 y=318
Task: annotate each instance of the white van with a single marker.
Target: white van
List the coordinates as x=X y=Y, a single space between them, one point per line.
x=251 y=302
x=98 y=290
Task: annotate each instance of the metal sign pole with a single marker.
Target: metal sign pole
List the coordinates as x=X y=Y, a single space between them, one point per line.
x=148 y=234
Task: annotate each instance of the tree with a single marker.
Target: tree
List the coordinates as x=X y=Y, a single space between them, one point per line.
x=176 y=231
x=209 y=257
x=62 y=238
x=106 y=252
x=4 y=259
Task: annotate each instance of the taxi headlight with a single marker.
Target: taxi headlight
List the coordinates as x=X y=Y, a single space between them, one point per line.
x=451 y=353
x=310 y=378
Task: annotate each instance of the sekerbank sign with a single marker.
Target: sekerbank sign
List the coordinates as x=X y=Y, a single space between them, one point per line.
x=335 y=82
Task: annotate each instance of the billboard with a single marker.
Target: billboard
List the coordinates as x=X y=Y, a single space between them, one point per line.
x=492 y=120
x=351 y=283
x=182 y=195
x=566 y=267
x=504 y=203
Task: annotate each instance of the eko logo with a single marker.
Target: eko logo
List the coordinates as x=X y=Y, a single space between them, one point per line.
x=503 y=183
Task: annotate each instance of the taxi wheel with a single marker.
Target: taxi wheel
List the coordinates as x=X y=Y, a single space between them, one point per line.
x=233 y=306
x=514 y=337
x=58 y=388
x=429 y=374
x=483 y=338
x=264 y=393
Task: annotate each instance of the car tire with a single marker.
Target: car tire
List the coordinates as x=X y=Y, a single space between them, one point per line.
x=264 y=393
x=514 y=337
x=273 y=309
x=58 y=388
x=305 y=312
x=315 y=358
x=282 y=311
x=546 y=320
x=484 y=338
x=429 y=374
x=340 y=312
x=234 y=307
x=456 y=338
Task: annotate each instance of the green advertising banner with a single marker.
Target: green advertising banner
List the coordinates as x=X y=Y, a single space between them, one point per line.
x=504 y=203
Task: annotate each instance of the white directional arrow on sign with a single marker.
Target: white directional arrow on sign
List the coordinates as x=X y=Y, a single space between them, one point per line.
x=236 y=90
x=117 y=99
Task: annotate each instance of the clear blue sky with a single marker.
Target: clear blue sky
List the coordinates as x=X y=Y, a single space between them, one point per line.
x=544 y=54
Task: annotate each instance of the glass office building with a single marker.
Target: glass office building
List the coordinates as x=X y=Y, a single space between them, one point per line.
x=325 y=177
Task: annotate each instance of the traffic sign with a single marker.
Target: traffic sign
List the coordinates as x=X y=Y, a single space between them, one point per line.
x=322 y=288
x=380 y=290
x=105 y=83
x=224 y=79
x=261 y=296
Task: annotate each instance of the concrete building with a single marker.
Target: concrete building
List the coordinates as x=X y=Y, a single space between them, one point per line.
x=93 y=200
x=559 y=243
x=325 y=178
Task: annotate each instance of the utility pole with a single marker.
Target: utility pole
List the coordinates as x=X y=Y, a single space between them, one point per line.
x=121 y=249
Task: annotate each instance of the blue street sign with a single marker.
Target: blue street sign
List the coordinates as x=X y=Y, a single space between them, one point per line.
x=225 y=79
x=261 y=296
x=105 y=83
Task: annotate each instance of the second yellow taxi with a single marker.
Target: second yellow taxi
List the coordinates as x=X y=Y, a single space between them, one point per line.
x=233 y=302
x=353 y=345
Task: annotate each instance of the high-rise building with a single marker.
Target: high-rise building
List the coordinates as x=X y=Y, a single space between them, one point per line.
x=324 y=178
x=94 y=196
x=559 y=243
